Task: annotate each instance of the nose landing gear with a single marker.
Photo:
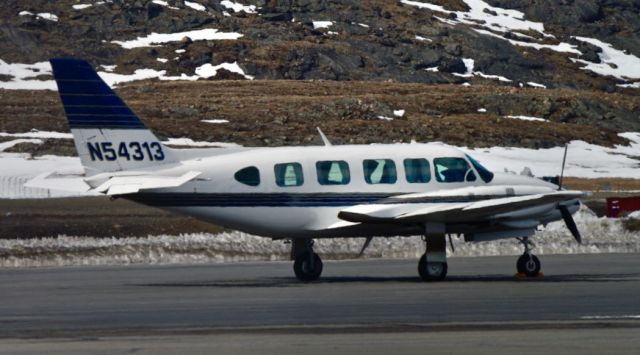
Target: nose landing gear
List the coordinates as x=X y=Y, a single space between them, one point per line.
x=433 y=263
x=528 y=264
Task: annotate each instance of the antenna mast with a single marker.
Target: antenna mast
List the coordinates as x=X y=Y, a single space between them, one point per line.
x=564 y=160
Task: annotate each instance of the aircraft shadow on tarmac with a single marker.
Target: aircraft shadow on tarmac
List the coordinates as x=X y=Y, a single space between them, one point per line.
x=292 y=282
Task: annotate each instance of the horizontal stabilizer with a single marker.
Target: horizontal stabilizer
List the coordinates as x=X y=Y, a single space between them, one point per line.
x=121 y=185
x=59 y=182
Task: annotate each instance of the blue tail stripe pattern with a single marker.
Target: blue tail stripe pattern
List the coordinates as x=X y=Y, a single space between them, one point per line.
x=88 y=101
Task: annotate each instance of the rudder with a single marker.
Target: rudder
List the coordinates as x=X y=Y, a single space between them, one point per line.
x=108 y=135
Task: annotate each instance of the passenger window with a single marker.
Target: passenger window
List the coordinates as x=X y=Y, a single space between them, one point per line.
x=288 y=174
x=417 y=171
x=379 y=171
x=248 y=176
x=333 y=172
x=453 y=170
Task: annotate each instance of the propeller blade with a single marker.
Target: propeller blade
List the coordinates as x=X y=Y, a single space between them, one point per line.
x=571 y=224
x=364 y=247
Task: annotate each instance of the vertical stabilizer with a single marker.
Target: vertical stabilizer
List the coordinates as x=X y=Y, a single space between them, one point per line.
x=108 y=135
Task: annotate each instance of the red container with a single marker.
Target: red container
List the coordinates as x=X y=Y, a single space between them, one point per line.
x=621 y=206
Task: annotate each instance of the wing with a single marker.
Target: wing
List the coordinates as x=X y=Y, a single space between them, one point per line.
x=447 y=212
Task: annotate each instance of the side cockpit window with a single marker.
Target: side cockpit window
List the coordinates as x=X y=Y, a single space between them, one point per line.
x=417 y=171
x=379 y=171
x=453 y=170
x=485 y=174
x=333 y=172
x=248 y=176
x=288 y=174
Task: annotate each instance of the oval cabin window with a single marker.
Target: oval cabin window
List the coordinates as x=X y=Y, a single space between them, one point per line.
x=248 y=176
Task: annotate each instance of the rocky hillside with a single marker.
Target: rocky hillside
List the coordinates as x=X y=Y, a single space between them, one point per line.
x=585 y=53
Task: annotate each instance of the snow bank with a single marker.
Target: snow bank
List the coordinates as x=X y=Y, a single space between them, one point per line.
x=600 y=235
x=154 y=39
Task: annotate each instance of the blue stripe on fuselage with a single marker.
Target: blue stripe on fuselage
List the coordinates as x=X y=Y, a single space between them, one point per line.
x=285 y=199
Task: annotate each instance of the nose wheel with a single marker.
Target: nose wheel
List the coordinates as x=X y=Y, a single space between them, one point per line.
x=432 y=266
x=528 y=264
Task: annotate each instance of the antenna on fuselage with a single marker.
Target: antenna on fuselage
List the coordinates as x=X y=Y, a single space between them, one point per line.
x=324 y=138
x=564 y=160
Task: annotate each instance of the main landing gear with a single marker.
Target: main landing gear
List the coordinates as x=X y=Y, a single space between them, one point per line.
x=528 y=264
x=307 y=265
x=433 y=263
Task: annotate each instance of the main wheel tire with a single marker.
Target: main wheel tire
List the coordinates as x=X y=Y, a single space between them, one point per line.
x=303 y=269
x=431 y=271
x=529 y=265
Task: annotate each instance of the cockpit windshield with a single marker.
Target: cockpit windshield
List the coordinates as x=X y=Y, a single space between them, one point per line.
x=485 y=174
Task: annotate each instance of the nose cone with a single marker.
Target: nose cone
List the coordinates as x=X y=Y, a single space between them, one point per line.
x=512 y=179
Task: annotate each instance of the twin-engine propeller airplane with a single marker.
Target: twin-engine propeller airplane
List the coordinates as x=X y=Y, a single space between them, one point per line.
x=302 y=193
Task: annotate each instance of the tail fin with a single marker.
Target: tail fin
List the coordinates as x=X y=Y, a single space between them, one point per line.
x=108 y=136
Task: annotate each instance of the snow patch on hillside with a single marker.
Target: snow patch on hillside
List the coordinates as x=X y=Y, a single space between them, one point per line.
x=583 y=159
x=188 y=142
x=39 y=134
x=615 y=62
x=215 y=121
x=156 y=39
x=321 y=24
x=561 y=47
x=195 y=6
x=23 y=76
x=238 y=7
x=6 y=145
x=482 y=14
x=470 y=65
x=41 y=15
x=205 y=71
x=527 y=118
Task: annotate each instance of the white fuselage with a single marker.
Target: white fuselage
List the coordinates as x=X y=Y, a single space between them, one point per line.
x=311 y=209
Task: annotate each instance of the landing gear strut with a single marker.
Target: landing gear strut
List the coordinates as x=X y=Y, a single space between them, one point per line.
x=433 y=263
x=528 y=264
x=307 y=265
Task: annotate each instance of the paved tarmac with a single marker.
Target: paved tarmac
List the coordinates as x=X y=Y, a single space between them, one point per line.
x=356 y=304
